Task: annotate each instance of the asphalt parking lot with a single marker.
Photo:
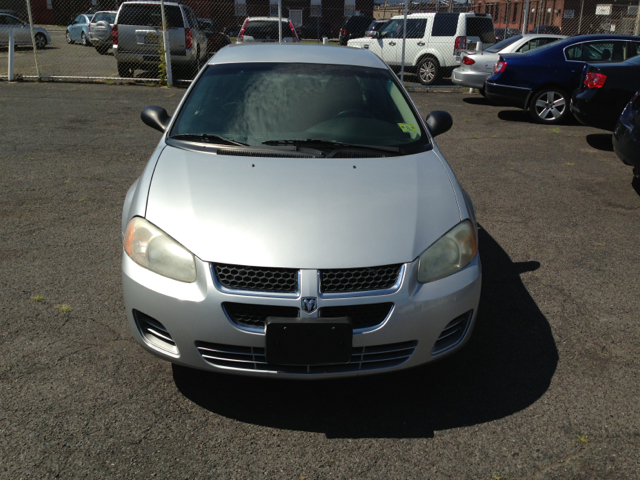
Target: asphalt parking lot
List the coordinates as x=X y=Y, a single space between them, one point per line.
x=547 y=388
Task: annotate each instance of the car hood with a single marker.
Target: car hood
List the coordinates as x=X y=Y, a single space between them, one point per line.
x=302 y=212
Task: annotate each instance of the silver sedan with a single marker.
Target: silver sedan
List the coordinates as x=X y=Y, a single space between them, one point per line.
x=298 y=220
x=475 y=67
x=22 y=32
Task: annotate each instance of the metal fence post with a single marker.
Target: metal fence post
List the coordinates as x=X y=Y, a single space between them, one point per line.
x=12 y=47
x=167 y=46
x=33 y=38
x=404 y=39
x=279 y=21
x=525 y=25
x=636 y=31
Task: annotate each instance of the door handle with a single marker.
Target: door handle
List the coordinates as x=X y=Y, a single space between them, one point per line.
x=421 y=44
x=366 y=46
x=392 y=43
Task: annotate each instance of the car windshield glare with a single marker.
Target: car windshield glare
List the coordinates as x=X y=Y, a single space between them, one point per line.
x=265 y=102
x=503 y=44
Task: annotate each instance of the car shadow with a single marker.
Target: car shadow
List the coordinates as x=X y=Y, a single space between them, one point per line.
x=600 y=141
x=515 y=116
x=478 y=100
x=635 y=183
x=507 y=365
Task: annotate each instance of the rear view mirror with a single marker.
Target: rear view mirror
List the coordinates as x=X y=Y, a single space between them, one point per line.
x=156 y=117
x=439 y=122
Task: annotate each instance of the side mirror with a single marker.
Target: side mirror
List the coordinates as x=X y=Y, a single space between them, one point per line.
x=439 y=122
x=156 y=117
x=375 y=34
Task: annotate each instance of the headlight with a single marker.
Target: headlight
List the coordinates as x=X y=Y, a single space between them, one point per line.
x=151 y=248
x=452 y=252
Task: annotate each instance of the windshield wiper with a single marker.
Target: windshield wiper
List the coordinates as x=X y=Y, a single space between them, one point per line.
x=207 y=137
x=329 y=143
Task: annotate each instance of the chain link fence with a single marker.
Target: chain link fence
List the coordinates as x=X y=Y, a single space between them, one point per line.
x=150 y=41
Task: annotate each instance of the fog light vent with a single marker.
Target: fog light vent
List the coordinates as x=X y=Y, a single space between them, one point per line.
x=453 y=333
x=154 y=332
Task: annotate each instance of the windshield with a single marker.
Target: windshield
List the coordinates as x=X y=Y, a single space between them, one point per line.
x=266 y=102
x=503 y=44
x=108 y=17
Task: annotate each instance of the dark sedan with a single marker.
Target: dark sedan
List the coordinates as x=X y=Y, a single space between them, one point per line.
x=215 y=38
x=541 y=81
x=604 y=92
x=626 y=136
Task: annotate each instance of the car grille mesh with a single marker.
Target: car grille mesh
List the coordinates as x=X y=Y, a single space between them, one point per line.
x=452 y=334
x=253 y=358
x=359 y=279
x=362 y=316
x=276 y=280
x=255 y=315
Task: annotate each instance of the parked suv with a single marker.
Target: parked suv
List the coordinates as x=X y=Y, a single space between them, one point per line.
x=100 y=31
x=137 y=36
x=354 y=27
x=434 y=41
x=265 y=29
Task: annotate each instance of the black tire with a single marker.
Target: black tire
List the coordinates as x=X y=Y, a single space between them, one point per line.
x=125 y=70
x=41 y=41
x=102 y=49
x=427 y=71
x=83 y=39
x=482 y=92
x=68 y=37
x=550 y=106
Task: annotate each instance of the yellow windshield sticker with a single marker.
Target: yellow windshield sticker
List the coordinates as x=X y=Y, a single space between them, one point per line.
x=407 y=127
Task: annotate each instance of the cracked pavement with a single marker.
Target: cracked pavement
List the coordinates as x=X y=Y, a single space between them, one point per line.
x=547 y=388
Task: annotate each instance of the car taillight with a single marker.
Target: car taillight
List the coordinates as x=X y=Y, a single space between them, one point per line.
x=114 y=35
x=468 y=60
x=293 y=33
x=595 y=80
x=188 y=39
x=461 y=44
x=241 y=34
x=343 y=32
x=500 y=66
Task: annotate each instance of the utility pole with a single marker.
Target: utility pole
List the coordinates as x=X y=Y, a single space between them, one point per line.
x=525 y=17
x=636 y=31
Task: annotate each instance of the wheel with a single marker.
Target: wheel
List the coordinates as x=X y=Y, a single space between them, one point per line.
x=41 y=41
x=428 y=70
x=549 y=105
x=125 y=70
x=83 y=39
x=68 y=35
x=102 y=49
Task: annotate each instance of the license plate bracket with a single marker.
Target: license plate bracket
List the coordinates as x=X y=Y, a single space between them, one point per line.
x=314 y=341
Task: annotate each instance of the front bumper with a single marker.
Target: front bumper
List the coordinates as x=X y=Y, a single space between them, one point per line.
x=193 y=316
x=506 y=94
x=466 y=78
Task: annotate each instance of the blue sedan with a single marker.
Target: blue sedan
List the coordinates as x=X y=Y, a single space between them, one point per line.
x=78 y=31
x=541 y=81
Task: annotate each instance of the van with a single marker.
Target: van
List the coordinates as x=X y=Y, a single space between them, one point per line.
x=434 y=41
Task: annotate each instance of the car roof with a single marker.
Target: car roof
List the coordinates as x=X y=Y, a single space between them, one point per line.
x=543 y=35
x=431 y=14
x=152 y=2
x=272 y=19
x=297 y=53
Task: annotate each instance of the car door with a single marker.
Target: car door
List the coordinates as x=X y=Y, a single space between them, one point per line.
x=74 y=28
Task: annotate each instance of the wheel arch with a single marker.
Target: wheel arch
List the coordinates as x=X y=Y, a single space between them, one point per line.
x=545 y=86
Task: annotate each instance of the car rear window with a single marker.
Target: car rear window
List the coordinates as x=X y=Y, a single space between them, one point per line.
x=149 y=15
x=266 y=30
x=481 y=27
x=258 y=102
x=503 y=44
x=108 y=17
x=445 y=24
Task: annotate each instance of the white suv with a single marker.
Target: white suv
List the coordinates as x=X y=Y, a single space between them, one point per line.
x=434 y=41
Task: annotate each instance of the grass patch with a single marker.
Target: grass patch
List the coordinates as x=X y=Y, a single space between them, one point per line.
x=37 y=298
x=64 y=308
x=467 y=120
x=582 y=439
x=475 y=136
x=569 y=164
x=554 y=130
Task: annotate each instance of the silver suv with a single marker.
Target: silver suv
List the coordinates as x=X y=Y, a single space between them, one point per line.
x=137 y=37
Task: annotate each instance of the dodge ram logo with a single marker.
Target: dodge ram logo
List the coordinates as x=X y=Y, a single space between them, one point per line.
x=309 y=304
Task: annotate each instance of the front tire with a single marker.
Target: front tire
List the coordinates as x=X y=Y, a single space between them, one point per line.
x=102 y=49
x=428 y=69
x=125 y=70
x=549 y=106
x=41 y=41
x=68 y=37
x=83 y=39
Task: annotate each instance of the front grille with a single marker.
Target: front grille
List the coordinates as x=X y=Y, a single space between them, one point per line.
x=246 y=315
x=253 y=358
x=362 y=316
x=154 y=332
x=359 y=279
x=257 y=279
x=452 y=334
